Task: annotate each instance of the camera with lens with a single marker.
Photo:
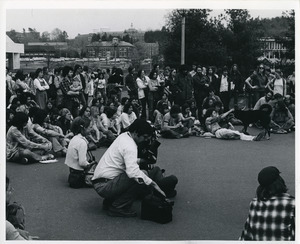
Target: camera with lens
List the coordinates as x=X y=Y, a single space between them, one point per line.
x=148 y=152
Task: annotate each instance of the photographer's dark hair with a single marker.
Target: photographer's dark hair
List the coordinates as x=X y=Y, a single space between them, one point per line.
x=141 y=127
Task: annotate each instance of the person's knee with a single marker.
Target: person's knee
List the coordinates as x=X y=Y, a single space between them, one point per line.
x=173 y=179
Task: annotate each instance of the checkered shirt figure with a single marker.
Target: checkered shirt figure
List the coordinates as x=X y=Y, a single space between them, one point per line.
x=271 y=220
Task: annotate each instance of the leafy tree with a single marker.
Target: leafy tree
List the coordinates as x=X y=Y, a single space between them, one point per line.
x=109 y=38
x=59 y=35
x=45 y=36
x=95 y=37
x=202 y=40
x=104 y=37
x=127 y=38
x=289 y=39
x=13 y=35
x=243 y=43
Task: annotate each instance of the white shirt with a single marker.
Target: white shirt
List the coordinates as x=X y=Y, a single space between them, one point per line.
x=141 y=86
x=76 y=154
x=90 y=87
x=224 y=84
x=105 y=121
x=121 y=157
x=101 y=83
x=278 y=86
x=40 y=84
x=127 y=119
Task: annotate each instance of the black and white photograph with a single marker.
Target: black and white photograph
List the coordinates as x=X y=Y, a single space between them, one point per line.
x=158 y=122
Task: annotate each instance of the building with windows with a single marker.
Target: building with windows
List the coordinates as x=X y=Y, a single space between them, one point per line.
x=272 y=48
x=110 y=49
x=44 y=49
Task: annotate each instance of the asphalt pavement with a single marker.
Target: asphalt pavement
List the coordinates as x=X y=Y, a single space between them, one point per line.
x=217 y=180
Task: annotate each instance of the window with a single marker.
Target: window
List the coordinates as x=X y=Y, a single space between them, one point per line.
x=91 y=53
x=123 y=52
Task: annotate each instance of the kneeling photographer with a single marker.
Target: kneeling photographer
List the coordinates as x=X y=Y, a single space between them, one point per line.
x=147 y=153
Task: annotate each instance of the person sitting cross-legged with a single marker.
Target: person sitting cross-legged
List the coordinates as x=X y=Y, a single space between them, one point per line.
x=172 y=126
x=23 y=144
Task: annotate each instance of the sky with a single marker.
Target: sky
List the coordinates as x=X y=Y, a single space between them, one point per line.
x=75 y=21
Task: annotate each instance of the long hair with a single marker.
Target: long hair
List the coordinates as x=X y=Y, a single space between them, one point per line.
x=39 y=70
x=126 y=107
x=139 y=73
x=19 y=75
x=277 y=187
x=81 y=112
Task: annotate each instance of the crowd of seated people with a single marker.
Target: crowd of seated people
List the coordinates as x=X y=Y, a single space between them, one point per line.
x=42 y=105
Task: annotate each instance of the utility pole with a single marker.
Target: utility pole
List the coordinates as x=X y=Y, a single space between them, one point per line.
x=183 y=40
x=182 y=14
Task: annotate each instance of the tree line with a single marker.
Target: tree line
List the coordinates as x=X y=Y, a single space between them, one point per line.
x=31 y=35
x=232 y=37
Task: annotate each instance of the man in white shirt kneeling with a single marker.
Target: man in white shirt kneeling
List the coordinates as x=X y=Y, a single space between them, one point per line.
x=118 y=178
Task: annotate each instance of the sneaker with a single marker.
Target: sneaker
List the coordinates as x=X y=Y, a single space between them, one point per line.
x=259 y=136
x=280 y=131
x=48 y=161
x=121 y=212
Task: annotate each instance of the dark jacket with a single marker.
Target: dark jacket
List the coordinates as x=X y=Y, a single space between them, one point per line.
x=238 y=82
x=200 y=83
x=184 y=84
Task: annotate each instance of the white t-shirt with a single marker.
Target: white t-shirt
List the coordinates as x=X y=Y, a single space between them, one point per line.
x=127 y=119
x=278 y=86
x=76 y=154
x=224 y=84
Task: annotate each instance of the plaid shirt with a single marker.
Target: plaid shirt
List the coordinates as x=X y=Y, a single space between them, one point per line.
x=270 y=220
x=65 y=85
x=65 y=88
